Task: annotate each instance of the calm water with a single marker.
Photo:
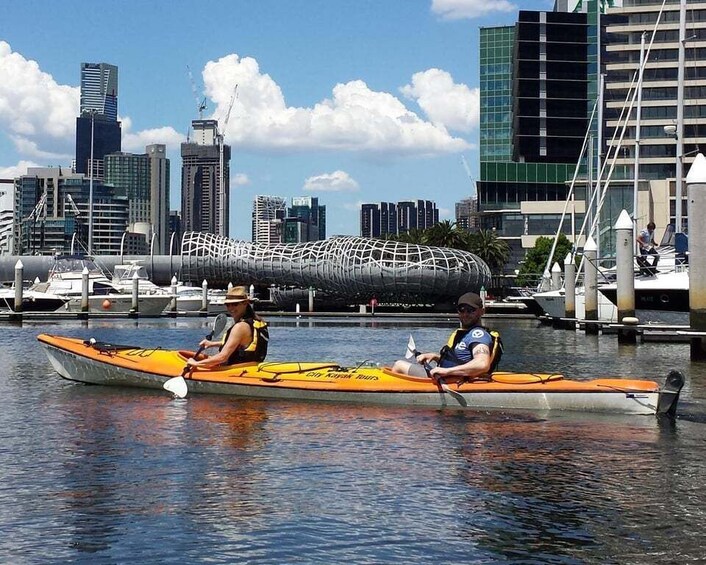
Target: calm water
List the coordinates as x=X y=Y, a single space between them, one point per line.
x=103 y=475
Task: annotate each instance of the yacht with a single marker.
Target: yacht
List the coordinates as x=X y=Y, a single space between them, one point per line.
x=189 y=298
x=65 y=280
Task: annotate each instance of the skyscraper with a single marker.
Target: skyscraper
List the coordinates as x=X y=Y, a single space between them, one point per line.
x=144 y=180
x=98 y=119
x=305 y=220
x=203 y=202
x=267 y=215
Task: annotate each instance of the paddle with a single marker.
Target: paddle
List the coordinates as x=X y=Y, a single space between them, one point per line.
x=412 y=352
x=177 y=385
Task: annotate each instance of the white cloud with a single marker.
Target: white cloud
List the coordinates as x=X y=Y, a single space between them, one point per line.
x=38 y=114
x=338 y=181
x=469 y=9
x=17 y=170
x=136 y=142
x=240 y=179
x=454 y=106
x=354 y=118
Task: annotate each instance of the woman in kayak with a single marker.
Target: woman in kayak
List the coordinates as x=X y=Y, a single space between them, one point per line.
x=245 y=341
x=471 y=351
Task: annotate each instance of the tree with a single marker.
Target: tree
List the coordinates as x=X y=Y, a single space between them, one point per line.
x=536 y=259
x=447 y=234
x=489 y=247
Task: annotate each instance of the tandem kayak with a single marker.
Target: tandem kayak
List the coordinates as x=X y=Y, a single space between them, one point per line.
x=123 y=365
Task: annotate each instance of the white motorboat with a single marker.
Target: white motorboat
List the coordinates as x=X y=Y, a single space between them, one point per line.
x=32 y=301
x=189 y=298
x=65 y=280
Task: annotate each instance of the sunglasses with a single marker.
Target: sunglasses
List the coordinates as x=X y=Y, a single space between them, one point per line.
x=463 y=309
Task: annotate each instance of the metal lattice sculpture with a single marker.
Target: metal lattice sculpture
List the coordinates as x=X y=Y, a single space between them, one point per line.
x=350 y=267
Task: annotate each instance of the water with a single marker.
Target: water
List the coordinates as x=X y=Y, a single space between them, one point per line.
x=106 y=475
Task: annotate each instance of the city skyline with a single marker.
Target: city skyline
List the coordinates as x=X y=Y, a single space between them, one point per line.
x=352 y=102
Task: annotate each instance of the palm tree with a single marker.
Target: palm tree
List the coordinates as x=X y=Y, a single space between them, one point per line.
x=489 y=247
x=447 y=234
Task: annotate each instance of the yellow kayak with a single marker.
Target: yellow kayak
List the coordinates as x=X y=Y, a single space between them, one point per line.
x=100 y=363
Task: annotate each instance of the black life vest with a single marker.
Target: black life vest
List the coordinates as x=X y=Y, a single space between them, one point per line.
x=257 y=350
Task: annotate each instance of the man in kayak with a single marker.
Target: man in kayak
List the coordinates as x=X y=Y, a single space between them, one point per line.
x=472 y=350
x=245 y=341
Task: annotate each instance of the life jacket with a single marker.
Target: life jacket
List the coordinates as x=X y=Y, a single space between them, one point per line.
x=496 y=349
x=257 y=350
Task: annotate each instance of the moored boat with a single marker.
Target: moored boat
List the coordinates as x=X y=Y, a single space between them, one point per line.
x=123 y=365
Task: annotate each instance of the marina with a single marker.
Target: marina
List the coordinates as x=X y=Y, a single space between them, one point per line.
x=119 y=470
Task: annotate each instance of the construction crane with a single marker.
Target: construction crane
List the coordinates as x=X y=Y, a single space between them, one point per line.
x=221 y=228
x=38 y=213
x=200 y=103
x=74 y=208
x=474 y=192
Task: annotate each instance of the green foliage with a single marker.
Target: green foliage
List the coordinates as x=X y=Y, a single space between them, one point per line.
x=536 y=259
x=484 y=243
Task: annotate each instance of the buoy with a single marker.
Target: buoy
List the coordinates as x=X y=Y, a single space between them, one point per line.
x=106 y=304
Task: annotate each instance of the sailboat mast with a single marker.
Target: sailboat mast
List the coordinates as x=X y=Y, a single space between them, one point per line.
x=638 y=118
x=680 y=117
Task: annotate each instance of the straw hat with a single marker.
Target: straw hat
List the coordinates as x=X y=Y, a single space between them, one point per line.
x=236 y=294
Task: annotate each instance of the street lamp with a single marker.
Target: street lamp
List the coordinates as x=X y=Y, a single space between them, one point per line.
x=90 y=188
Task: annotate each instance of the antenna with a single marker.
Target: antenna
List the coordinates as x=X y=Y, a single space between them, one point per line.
x=200 y=103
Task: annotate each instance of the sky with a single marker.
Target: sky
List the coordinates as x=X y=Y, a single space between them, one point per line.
x=350 y=101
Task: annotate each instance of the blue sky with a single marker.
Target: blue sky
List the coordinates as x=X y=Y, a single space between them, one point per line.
x=349 y=100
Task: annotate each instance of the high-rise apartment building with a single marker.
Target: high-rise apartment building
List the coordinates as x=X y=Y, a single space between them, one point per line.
x=662 y=101
x=268 y=214
x=205 y=180
x=389 y=218
x=97 y=127
x=52 y=213
x=534 y=95
x=144 y=180
x=467 y=214
x=305 y=220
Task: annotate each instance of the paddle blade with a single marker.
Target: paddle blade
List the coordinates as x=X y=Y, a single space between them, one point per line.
x=411 y=349
x=219 y=324
x=177 y=386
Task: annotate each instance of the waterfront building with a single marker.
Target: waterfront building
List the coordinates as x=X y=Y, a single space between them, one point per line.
x=268 y=213
x=97 y=126
x=51 y=213
x=144 y=180
x=305 y=220
x=535 y=87
x=7 y=200
x=661 y=103
x=389 y=218
x=205 y=180
x=466 y=214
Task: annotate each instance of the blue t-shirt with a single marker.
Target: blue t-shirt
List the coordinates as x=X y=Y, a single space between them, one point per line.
x=462 y=351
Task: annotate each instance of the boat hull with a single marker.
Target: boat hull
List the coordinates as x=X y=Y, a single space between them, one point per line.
x=96 y=363
x=147 y=305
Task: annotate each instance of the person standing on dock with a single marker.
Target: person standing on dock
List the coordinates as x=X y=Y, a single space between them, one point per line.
x=245 y=342
x=471 y=351
x=646 y=241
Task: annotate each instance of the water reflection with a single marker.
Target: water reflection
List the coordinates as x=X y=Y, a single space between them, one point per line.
x=124 y=475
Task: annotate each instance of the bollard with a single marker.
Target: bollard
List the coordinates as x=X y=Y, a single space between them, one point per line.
x=556 y=277
x=570 y=291
x=590 y=278
x=624 y=238
x=204 y=296
x=696 y=194
x=251 y=292
x=312 y=293
x=134 y=311
x=483 y=295
x=173 y=306
x=19 y=268
x=84 y=291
